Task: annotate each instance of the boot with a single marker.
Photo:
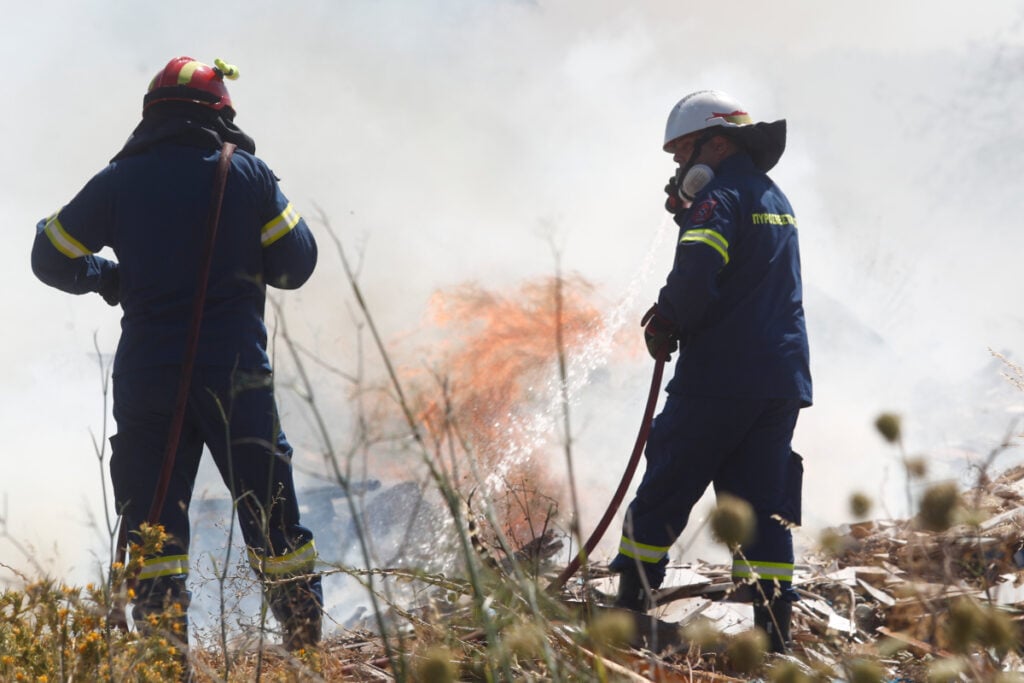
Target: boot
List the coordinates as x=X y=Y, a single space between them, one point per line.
x=165 y=601
x=298 y=608
x=302 y=631
x=632 y=593
x=775 y=620
x=172 y=627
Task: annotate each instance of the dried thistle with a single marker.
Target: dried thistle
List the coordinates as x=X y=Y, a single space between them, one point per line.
x=860 y=505
x=917 y=468
x=964 y=625
x=947 y=669
x=938 y=507
x=525 y=640
x=612 y=629
x=437 y=666
x=702 y=632
x=889 y=426
x=865 y=671
x=746 y=651
x=999 y=631
x=788 y=672
x=833 y=543
x=732 y=521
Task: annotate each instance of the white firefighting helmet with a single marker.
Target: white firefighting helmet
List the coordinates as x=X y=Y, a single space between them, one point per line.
x=704 y=109
x=712 y=108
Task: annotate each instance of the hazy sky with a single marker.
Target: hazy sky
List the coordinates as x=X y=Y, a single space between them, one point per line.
x=442 y=135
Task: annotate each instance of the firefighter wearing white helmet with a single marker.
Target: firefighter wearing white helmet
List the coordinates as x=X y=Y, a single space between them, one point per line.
x=732 y=306
x=699 y=117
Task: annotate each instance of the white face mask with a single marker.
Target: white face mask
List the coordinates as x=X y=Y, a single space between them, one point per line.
x=695 y=180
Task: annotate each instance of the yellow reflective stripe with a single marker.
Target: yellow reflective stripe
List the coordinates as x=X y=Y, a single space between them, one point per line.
x=295 y=562
x=713 y=239
x=278 y=227
x=651 y=554
x=170 y=565
x=62 y=241
x=185 y=74
x=743 y=569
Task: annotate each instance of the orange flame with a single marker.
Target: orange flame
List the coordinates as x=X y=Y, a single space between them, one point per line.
x=498 y=352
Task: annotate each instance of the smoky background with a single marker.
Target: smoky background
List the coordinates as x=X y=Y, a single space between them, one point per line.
x=451 y=141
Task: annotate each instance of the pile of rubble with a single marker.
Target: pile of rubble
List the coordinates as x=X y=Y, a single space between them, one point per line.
x=885 y=590
x=891 y=597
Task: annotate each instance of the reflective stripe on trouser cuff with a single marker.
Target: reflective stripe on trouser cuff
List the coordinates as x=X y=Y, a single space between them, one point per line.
x=652 y=554
x=62 y=241
x=298 y=561
x=711 y=238
x=765 y=571
x=171 y=565
x=279 y=226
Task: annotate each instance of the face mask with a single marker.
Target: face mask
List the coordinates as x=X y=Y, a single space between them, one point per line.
x=695 y=180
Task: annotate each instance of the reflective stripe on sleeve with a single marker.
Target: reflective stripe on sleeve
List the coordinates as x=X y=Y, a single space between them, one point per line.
x=62 y=241
x=279 y=226
x=745 y=569
x=170 y=565
x=713 y=239
x=652 y=554
x=296 y=562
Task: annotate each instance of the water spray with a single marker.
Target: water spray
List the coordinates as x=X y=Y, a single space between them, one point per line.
x=627 y=477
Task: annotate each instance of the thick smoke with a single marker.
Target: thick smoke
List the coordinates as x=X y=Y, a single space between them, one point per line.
x=445 y=139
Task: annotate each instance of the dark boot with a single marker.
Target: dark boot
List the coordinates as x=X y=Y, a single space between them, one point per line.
x=298 y=607
x=161 y=609
x=775 y=620
x=633 y=595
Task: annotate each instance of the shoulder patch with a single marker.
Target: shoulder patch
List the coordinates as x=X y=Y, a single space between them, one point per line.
x=703 y=211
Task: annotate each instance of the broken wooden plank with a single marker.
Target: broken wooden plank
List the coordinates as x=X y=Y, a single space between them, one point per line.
x=918 y=647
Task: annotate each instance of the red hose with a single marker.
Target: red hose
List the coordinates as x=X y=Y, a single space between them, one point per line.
x=627 y=477
x=117 y=615
x=192 y=341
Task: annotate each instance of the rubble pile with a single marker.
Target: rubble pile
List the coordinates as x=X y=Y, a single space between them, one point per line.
x=891 y=592
x=882 y=600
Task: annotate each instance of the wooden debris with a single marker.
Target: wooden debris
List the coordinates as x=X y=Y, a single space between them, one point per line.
x=889 y=580
x=918 y=647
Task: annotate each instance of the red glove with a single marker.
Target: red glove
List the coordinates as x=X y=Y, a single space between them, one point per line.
x=674 y=204
x=659 y=334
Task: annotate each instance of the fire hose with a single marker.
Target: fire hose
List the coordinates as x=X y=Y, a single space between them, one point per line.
x=627 y=477
x=117 y=614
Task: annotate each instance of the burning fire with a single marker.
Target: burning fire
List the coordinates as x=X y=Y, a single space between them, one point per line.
x=497 y=365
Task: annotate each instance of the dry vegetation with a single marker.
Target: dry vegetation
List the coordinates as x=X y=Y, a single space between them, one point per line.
x=916 y=599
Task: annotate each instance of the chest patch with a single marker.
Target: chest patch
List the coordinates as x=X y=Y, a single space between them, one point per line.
x=703 y=211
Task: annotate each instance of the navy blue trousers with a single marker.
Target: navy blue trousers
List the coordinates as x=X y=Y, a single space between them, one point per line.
x=233 y=413
x=743 y=448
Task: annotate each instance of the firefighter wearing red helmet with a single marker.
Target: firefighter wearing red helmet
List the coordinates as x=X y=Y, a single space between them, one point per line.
x=186 y=80
x=732 y=306
x=149 y=205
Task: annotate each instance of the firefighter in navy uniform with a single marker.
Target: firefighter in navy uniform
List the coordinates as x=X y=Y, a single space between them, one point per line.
x=150 y=206
x=732 y=306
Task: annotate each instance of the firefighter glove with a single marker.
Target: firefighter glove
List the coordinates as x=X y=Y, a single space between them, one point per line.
x=110 y=284
x=659 y=334
x=674 y=204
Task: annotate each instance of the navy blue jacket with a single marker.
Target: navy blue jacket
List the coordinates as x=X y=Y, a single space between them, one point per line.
x=151 y=209
x=734 y=294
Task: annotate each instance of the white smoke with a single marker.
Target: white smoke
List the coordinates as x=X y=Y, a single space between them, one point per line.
x=440 y=136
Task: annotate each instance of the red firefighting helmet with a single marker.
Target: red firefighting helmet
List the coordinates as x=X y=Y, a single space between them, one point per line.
x=186 y=80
